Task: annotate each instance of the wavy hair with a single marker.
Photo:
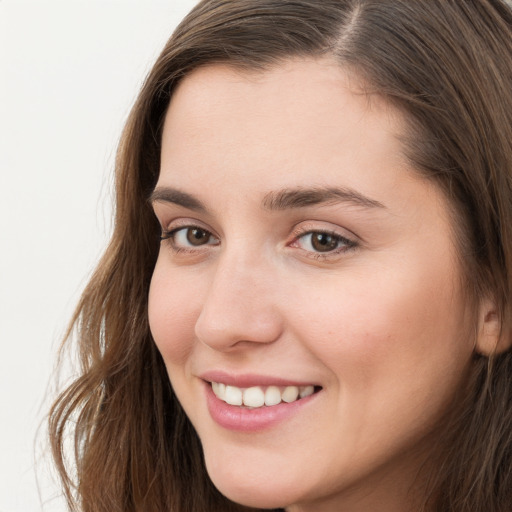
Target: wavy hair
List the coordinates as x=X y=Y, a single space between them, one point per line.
x=446 y=64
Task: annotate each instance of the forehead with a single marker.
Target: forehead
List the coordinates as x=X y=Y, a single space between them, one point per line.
x=301 y=115
x=309 y=87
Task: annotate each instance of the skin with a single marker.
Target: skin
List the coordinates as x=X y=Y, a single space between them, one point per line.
x=380 y=323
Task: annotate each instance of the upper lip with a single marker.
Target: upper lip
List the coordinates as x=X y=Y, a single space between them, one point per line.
x=248 y=380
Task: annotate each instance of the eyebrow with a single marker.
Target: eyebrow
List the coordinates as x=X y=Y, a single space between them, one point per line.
x=173 y=195
x=304 y=197
x=287 y=199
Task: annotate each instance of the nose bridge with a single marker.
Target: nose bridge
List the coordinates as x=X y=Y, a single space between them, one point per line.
x=239 y=304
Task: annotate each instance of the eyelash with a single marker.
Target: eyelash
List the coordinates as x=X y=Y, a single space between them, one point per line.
x=343 y=244
x=170 y=237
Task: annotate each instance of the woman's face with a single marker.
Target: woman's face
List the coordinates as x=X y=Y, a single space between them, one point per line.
x=304 y=255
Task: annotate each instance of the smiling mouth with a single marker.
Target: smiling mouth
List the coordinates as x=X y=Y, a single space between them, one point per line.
x=261 y=396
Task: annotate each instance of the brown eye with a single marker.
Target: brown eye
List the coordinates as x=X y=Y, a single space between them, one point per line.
x=197 y=236
x=188 y=237
x=324 y=242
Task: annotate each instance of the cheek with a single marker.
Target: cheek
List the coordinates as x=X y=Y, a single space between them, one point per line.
x=380 y=336
x=172 y=310
x=394 y=357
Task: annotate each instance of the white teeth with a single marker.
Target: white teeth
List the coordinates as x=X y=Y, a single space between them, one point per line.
x=254 y=397
x=305 y=391
x=290 y=394
x=272 y=395
x=258 y=396
x=219 y=389
x=233 y=395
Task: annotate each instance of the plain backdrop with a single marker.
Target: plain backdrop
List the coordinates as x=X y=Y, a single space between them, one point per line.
x=69 y=73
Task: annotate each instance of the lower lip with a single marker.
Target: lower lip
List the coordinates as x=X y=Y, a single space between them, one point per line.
x=243 y=419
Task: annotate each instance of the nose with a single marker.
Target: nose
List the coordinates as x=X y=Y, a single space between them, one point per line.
x=239 y=306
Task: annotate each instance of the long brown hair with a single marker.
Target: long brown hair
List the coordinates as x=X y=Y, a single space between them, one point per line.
x=447 y=64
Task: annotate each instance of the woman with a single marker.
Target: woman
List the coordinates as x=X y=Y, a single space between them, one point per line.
x=325 y=321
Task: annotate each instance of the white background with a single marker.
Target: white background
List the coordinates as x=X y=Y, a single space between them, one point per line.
x=69 y=72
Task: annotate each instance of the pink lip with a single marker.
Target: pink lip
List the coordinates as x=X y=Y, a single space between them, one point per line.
x=248 y=380
x=243 y=419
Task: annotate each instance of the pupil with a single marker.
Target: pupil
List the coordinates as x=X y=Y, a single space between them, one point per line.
x=324 y=242
x=197 y=236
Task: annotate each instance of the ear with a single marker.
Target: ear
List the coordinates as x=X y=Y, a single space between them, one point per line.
x=491 y=339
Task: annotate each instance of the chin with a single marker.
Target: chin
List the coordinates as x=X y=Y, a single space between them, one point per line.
x=257 y=491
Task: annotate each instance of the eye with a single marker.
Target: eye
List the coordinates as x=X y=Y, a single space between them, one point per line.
x=189 y=237
x=323 y=242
